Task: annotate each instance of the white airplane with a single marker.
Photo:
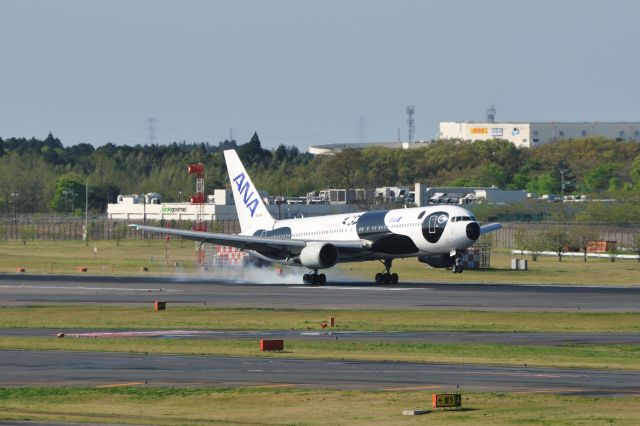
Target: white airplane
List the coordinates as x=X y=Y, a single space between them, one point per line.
x=436 y=235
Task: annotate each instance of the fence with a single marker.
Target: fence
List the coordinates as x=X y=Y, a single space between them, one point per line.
x=105 y=229
x=623 y=234
x=99 y=229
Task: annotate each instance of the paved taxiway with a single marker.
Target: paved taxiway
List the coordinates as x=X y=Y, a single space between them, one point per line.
x=32 y=368
x=515 y=338
x=55 y=289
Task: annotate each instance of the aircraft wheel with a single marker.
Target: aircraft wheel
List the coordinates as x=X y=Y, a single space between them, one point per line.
x=394 y=278
x=386 y=279
x=378 y=278
x=322 y=279
x=306 y=279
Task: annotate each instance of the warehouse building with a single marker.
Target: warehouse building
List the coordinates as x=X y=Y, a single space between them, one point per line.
x=532 y=134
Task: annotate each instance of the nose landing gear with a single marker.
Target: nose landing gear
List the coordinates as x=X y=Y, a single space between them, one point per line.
x=457 y=267
x=315 y=278
x=387 y=277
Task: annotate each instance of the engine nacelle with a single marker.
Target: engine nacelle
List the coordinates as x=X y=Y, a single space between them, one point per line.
x=438 y=260
x=319 y=255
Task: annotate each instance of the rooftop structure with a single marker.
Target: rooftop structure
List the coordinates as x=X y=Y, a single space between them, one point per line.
x=532 y=134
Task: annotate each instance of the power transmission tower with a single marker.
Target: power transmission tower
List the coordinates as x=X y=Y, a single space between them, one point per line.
x=152 y=130
x=362 y=123
x=410 y=111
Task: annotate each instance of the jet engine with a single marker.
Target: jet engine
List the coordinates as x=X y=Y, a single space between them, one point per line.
x=438 y=260
x=319 y=255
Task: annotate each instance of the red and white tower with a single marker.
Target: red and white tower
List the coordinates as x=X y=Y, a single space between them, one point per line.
x=198 y=200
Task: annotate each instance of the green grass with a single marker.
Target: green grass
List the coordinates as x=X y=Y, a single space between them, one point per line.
x=113 y=317
x=587 y=356
x=285 y=406
x=127 y=257
x=44 y=257
x=547 y=270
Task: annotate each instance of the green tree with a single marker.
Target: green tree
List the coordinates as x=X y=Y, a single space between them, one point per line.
x=634 y=173
x=581 y=235
x=68 y=192
x=599 y=177
x=557 y=240
x=528 y=240
x=542 y=184
x=564 y=179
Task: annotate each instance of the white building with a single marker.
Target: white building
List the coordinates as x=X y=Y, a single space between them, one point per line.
x=220 y=206
x=532 y=134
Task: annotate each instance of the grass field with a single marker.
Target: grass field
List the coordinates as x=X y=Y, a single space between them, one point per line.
x=287 y=406
x=179 y=317
x=148 y=405
x=67 y=318
x=64 y=257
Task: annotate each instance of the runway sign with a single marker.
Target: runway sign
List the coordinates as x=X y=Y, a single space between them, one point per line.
x=447 y=400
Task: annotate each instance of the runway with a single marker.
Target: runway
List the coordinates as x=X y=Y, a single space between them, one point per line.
x=53 y=368
x=31 y=368
x=16 y=290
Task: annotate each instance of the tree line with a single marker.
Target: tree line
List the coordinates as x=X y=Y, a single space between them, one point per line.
x=43 y=176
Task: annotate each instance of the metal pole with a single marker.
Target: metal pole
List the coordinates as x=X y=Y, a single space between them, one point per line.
x=86 y=212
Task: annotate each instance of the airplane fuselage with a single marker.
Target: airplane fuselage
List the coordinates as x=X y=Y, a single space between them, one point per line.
x=394 y=233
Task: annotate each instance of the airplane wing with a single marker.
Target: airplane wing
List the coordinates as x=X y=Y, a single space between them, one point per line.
x=489 y=228
x=249 y=242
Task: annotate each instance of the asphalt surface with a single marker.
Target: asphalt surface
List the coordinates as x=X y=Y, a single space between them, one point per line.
x=515 y=338
x=31 y=368
x=54 y=289
x=53 y=368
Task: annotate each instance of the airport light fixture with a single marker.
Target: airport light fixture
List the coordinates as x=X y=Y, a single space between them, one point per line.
x=14 y=200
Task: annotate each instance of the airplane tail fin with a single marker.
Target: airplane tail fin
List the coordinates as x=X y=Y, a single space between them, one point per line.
x=252 y=212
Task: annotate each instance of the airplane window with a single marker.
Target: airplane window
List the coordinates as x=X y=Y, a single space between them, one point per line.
x=421 y=215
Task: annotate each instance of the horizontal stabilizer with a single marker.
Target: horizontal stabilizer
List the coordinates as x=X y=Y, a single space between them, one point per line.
x=490 y=228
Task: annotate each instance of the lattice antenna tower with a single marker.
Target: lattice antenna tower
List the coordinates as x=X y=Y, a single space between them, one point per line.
x=491 y=114
x=410 y=122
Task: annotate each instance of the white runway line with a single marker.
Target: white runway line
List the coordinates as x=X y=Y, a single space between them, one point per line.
x=38 y=287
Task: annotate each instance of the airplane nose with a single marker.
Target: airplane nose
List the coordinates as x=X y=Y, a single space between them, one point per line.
x=473 y=231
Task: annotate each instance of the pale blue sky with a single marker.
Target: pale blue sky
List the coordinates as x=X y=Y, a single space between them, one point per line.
x=302 y=73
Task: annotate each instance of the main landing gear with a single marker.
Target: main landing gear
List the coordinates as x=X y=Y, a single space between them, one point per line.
x=315 y=278
x=457 y=266
x=387 y=277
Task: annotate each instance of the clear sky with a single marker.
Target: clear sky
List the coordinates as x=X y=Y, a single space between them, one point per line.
x=304 y=72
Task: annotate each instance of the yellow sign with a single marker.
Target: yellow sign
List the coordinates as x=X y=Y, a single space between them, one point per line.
x=479 y=130
x=447 y=400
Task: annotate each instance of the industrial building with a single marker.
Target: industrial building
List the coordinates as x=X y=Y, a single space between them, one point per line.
x=219 y=206
x=332 y=148
x=532 y=134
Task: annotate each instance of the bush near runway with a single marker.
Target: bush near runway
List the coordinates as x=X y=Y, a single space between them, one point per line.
x=282 y=405
x=64 y=257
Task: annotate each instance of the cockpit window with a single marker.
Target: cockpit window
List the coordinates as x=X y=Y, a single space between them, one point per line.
x=421 y=215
